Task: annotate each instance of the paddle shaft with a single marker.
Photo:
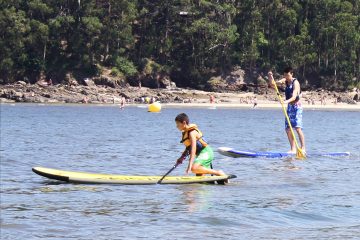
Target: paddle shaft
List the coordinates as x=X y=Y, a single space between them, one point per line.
x=159 y=182
x=286 y=115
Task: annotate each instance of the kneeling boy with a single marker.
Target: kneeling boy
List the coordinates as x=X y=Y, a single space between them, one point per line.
x=201 y=154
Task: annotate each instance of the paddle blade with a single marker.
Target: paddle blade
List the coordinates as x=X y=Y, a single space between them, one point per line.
x=300 y=154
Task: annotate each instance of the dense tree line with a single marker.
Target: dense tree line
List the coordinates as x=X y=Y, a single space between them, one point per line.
x=191 y=40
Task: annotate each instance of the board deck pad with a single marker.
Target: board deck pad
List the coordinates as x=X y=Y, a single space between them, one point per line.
x=230 y=152
x=94 y=178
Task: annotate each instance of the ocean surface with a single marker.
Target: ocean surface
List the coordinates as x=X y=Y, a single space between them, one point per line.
x=318 y=198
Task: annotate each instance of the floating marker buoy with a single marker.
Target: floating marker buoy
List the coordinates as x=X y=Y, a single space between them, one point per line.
x=154 y=107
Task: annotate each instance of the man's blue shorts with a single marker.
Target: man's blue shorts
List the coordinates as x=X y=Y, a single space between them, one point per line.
x=294 y=112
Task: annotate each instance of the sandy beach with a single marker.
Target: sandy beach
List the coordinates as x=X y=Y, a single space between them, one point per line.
x=265 y=105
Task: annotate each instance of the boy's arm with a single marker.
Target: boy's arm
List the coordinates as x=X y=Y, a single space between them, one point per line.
x=183 y=156
x=296 y=92
x=192 y=136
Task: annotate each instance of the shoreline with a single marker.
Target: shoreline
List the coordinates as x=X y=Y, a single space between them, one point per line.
x=261 y=106
x=355 y=107
x=170 y=98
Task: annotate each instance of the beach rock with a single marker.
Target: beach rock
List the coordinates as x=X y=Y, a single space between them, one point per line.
x=12 y=94
x=70 y=80
x=5 y=100
x=88 y=82
x=3 y=93
x=22 y=83
x=166 y=82
x=52 y=101
x=346 y=99
x=35 y=99
x=178 y=99
x=354 y=94
x=356 y=97
x=46 y=95
x=73 y=100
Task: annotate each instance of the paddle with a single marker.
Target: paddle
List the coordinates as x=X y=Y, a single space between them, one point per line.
x=299 y=153
x=177 y=164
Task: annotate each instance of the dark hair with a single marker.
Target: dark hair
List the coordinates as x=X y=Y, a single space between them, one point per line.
x=289 y=70
x=182 y=117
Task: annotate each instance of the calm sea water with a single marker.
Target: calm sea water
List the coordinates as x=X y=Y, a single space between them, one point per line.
x=271 y=199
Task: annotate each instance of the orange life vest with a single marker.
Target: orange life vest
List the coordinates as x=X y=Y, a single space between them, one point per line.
x=200 y=142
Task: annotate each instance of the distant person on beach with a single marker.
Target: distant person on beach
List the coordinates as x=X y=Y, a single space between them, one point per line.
x=200 y=153
x=212 y=99
x=122 y=103
x=152 y=100
x=294 y=108
x=323 y=101
x=255 y=102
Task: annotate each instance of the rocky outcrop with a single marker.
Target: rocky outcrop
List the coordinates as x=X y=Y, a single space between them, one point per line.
x=79 y=94
x=234 y=81
x=323 y=97
x=152 y=75
x=107 y=81
x=153 y=81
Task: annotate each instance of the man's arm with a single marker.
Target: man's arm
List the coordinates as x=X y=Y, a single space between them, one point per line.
x=272 y=81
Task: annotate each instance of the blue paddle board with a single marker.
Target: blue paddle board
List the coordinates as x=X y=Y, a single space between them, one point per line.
x=230 y=152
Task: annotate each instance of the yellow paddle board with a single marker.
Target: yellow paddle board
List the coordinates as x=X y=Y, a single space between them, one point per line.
x=94 y=178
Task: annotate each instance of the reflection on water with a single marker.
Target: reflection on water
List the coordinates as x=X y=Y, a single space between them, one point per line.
x=317 y=198
x=196 y=197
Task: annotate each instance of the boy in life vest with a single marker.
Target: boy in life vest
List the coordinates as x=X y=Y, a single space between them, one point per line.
x=201 y=154
x=294 y=108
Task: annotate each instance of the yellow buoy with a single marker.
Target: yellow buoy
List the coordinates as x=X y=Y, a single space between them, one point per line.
x=154 y=107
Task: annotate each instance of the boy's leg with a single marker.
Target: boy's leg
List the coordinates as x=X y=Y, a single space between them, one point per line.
x=301 y=138
x=201 y=174
x=202 y=163
x=198 y=169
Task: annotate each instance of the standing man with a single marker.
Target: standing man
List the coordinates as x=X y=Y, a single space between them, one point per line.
x=294 y=108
